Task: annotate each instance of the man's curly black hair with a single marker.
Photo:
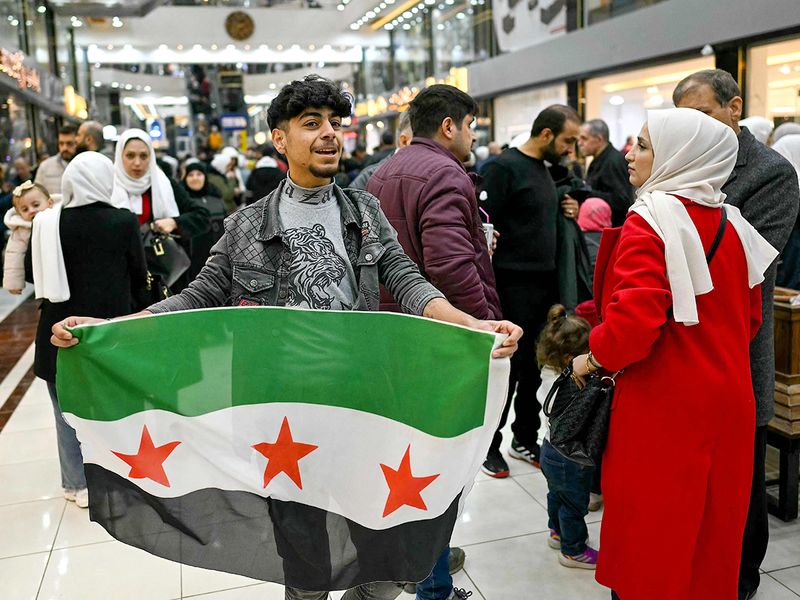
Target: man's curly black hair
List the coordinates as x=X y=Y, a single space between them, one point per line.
x=312 y=91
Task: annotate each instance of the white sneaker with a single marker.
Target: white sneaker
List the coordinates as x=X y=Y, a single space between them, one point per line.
x=69 y=495
x=82 y=498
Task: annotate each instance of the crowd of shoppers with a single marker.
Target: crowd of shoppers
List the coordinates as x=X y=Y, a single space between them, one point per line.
x=689 y=218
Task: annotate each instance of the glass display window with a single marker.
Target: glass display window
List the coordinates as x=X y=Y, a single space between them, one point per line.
x=773 y=81
x=514 y=113
x=623 y=99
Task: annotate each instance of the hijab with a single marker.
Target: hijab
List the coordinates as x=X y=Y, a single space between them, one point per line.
x=87 y=179
x=694 y=155
x=594 y=215
x=789 y=148
x=205 y=190
x=783 y=129
x=760 y=127
x=129 y=190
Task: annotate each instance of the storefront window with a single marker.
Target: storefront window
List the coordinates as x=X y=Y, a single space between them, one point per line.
x=36 y=25
x=11 y=24
x=64 y=51
x=514 y=113
x=600 y=10
x=623 y=99
x=460 y=33
x=376 y=71
x=16 y=135
x=411 y=53
x=773 y=81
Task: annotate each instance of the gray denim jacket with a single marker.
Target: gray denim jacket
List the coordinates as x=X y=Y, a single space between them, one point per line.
x=249 y=265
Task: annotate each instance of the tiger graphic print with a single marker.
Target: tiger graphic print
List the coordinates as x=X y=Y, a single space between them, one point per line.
x=316 y=271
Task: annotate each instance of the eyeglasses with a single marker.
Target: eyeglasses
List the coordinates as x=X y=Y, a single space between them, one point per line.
x=22 y=188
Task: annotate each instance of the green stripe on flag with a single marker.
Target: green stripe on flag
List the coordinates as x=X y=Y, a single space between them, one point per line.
x=196 y=362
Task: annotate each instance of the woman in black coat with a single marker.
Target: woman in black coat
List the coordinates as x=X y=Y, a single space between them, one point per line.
x=196 y=184
x=94 y=270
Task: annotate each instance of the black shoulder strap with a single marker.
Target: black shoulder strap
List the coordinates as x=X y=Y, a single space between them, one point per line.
x=723 y=221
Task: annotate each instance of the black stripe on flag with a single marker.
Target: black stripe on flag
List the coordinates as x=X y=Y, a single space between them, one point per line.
x=284 y=542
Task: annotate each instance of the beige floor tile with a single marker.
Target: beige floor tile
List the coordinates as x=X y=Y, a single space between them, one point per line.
x=35 y=480
x=788 y=577
x=27 y=446
x=77 y=530
x=784 y=545
x=515 y=568
x=264 y=591
x=20 y=576
x=109 y=570
x=498 y=509
x=774 y=589
x=31 y=416
x=29 y=527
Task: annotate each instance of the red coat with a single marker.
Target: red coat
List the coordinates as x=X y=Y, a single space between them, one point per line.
x=678 y=464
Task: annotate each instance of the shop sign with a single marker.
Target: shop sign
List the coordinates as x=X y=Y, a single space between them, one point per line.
x=233 y=122
x=399 y=101
x=12 y=64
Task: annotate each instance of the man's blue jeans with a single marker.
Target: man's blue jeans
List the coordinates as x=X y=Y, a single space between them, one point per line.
x=439 y=584
x=568 y=485
x=69 y=449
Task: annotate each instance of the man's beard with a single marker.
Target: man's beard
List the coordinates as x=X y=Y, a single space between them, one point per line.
x=550 y=154
x=80 y=148
x=324 y=172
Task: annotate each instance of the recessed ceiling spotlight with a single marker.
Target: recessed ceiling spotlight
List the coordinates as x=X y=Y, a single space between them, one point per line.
x=214 y=46
x=179 y=47
x=162 y=46
x=147 y=88
x=279 y=47
x=110 y=47
x=230 y=47
x=340 y=7
x=198 y=46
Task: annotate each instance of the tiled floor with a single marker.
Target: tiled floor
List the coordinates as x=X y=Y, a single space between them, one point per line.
x=50 y=550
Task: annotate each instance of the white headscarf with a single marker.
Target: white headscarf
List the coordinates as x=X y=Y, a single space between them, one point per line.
x=783 y=129
x=760 y=127
x=694 y=156
x=789 y=148
x=88 y=178
x=129 y=190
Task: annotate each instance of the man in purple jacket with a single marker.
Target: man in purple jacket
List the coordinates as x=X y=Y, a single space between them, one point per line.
x=431 y=201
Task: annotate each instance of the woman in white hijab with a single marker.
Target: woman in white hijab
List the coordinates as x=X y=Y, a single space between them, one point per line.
x=87 y=258
x=678 y=313
x=157 y=201
x=788 y=275
x=152 y=196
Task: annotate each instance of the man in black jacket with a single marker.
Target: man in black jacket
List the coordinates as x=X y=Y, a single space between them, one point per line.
x=522 y=203
x=608 y=173
x=764 y=186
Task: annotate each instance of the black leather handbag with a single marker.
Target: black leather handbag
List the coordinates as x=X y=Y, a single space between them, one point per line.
x=166 y=260
x=579 y=417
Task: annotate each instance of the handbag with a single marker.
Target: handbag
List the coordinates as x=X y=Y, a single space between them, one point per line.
x=166 y=259
x=579 y=417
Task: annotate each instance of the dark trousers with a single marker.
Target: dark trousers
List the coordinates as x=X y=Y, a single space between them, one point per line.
x=568 y=485
x=614 y=595
x=756 y=529
x=525 y=298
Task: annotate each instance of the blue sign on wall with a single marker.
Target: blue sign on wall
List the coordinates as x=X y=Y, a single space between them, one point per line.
x=233 y=121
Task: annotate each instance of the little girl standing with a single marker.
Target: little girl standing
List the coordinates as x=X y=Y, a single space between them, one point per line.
x=29 y=198
x=568 y=483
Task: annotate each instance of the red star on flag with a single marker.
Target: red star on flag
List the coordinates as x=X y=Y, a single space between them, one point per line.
x=404 y=488
x=148 y=462
x=283 y=456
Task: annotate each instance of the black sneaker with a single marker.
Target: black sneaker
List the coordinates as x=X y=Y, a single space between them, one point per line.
x=520 y=452
x=455 y=562
x=495 y=465
x=460 y=594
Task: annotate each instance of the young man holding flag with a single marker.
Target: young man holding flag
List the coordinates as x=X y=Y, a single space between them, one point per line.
x=311 y=244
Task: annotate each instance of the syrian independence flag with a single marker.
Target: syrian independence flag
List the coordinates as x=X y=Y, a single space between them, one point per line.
x=318 y=449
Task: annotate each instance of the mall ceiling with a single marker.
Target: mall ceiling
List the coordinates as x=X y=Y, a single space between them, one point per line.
x=105 y=8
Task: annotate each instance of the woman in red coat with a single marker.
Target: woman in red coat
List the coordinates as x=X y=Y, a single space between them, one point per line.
x=677 y=467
